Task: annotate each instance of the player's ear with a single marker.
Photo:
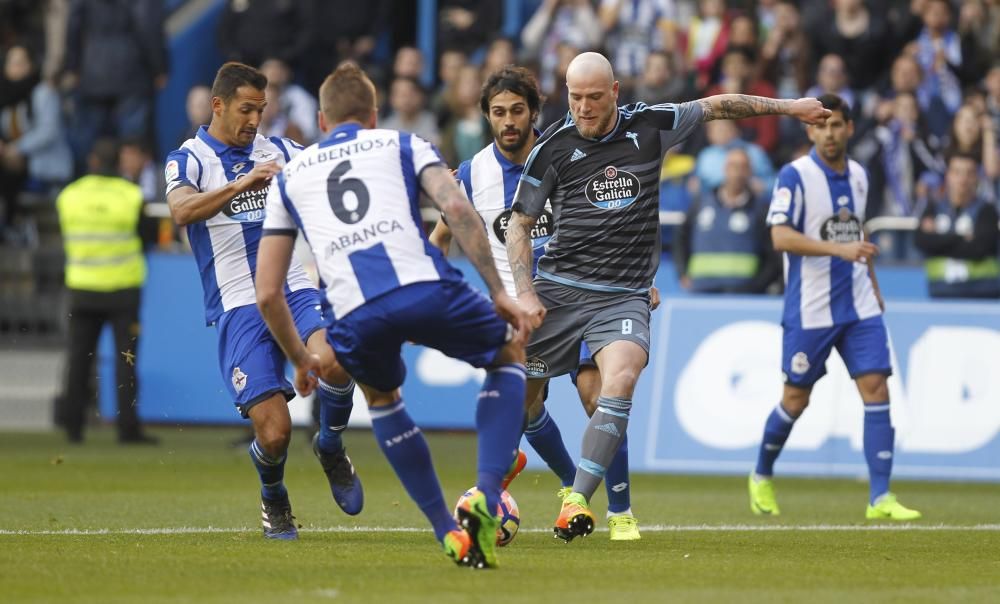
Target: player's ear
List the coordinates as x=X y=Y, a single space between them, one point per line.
x=372 y=119
x=218 y=105
x=324 y=127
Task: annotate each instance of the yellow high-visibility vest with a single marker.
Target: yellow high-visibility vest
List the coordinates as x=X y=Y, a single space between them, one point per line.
x=99 y=217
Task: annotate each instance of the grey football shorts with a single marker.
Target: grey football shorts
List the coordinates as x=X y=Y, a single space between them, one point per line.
x=577 y=315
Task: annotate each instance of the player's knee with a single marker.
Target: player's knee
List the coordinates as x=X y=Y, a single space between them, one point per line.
x=621 y=381
x=274 y=439
x=795 y=402
x=873 y=387
x=534 y=408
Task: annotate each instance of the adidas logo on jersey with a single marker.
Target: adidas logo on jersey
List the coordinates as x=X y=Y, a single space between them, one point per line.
x=577 y=154
x=610 y=428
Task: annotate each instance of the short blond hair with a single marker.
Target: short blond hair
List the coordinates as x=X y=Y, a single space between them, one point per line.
x=347 y=94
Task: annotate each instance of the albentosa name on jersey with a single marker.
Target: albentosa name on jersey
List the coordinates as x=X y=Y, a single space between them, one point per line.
x=362 y=236
x=339 y=152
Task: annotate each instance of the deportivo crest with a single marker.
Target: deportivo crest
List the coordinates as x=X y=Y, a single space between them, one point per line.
x=612 y=189
x=239 y=380
x=263 y=155
x=540 y=233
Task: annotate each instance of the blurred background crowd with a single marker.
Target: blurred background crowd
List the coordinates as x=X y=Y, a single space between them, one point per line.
x=922 y=78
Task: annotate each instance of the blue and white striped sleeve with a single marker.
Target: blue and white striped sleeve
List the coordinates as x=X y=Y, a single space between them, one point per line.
x=424 y=154
x=786 y=200
x=278 y=211
x=183 y=169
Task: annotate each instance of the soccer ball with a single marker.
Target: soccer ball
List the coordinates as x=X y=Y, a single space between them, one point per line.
x=510 y=517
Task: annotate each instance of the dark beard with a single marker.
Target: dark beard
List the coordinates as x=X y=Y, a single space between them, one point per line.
x=514 y=147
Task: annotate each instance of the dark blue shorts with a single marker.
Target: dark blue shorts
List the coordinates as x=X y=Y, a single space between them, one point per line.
x=449 y=316
x=252 y=364
x=863 y=345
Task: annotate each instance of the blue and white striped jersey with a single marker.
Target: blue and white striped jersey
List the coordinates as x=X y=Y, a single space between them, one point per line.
x=225 y=245
x=822 y=291
x=490 y=181
x=355 y=197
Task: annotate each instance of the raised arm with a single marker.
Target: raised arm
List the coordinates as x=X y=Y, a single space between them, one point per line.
x=739 y=106
x=188 y=205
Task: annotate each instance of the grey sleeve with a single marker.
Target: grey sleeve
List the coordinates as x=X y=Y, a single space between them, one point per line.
x=535 y=187
x=686 y=118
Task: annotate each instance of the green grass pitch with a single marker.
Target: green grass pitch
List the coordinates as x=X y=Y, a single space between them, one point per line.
x=179 y=523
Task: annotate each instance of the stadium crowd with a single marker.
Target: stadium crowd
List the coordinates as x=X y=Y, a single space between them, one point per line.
x=921 y=76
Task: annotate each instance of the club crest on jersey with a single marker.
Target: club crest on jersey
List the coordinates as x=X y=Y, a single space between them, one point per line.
x=540 y=233
x=842 y=227
x=612 y=189
x=263 y=155
x=632 y=136
x=239 y=380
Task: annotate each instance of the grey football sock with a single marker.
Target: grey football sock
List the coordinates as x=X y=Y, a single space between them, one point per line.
x=601 y=439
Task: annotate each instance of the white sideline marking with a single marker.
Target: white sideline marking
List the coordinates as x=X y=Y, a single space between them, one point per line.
x=655 y=528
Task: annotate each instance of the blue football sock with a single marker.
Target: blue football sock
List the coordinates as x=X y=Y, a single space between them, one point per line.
x=404 y=446
x=616 y=481
x=776 y=430
x=499 y=417
x=271 y=471
x=335 y=405
x=879 y=442
x=545 y=438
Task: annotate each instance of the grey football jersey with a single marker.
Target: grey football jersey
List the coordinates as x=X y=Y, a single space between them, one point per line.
x=604 y=195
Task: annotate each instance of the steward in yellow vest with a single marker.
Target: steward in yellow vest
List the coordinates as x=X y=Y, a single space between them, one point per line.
x=105 y=269
x=960 y=237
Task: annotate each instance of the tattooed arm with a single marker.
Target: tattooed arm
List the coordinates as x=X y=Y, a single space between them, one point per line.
x=739 y=106
x=465 y=224
x=519 y=251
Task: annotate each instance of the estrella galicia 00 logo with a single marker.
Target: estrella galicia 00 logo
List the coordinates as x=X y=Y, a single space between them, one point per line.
x=540 y=233
x=612 y=189
x=842 y=227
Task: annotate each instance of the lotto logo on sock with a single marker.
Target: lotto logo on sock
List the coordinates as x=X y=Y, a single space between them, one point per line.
x=489 y=394
x=395 y=440
x=621 y=486
x=884 y=455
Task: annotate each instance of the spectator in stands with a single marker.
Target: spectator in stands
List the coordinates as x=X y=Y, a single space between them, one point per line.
x=297 y=104
x=972 y=134
x=949 y=62
x=409 y=63
x=832 y=78
x=786 y=56
x=632 y=28
x=136 y=165
x=724 y=245
x=409 y=112
x=723 y=136
x=33 y=151
x=960 y=237
x=466 y=131
x=991 y=85
x=198 y=108
x=661 y=81
x=342 y=30
x=116 y=58
x=738 y=78
x=105 y=269
x=555 y=22
x=900 y=156
x=467 y=25
x=251 y=31
x=274 y=120
x=556 y=100
x=863 y=38
x=499 y=53
x=450 y=63
x=707 y=39
x=743 y=32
